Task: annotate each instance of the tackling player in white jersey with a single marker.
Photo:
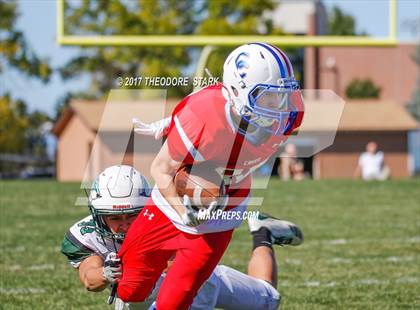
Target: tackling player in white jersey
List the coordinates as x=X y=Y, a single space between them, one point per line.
x=116 y=198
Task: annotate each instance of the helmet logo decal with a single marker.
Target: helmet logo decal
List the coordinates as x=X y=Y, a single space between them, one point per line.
x=242 y=65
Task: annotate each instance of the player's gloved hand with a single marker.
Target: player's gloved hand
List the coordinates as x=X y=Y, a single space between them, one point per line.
x=193 y=217
x=157 y=129
x=112 y=268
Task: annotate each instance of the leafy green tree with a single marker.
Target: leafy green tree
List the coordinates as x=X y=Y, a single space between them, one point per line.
x=21 y=132
x=227 y=17
x=143 y=17
x=14 y=50
x=16 y=124
x=358 y=89
x=341 y=24
x=105 y=64
x=13 y=126
x=414 y=105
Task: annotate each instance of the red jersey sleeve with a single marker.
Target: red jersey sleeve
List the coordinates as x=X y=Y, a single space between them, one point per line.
x=185 y=137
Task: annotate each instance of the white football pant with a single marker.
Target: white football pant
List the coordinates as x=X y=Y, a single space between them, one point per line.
x=227 y=289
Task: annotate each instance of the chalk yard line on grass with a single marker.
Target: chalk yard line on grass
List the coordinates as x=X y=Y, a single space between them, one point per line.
x=360 y=282
x=22 y=291
x=339 y=242
x=18 y=267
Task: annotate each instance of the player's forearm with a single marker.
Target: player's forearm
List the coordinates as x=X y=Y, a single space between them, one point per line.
x=93 y=279
x=162 y=170
x=166 y=186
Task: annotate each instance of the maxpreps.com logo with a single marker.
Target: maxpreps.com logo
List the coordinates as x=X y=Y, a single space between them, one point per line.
x=242 y=65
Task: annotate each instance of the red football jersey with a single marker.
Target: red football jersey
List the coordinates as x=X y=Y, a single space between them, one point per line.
x=202 y=131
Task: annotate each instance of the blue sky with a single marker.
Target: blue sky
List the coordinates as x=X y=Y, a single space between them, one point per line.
x=38 y=22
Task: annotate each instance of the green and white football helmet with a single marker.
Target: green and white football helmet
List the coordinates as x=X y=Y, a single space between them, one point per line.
x=117 y=190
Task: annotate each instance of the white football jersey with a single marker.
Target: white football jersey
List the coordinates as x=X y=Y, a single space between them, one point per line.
x=82 y=240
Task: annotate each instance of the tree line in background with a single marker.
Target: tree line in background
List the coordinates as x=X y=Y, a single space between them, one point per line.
x=170 y=17
x=227 y=17
x=21 y=130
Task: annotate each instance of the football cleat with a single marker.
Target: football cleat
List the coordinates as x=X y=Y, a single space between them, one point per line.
x=282 y=232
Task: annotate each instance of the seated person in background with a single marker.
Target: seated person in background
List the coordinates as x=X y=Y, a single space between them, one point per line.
x=371 y=164
x=291 y=168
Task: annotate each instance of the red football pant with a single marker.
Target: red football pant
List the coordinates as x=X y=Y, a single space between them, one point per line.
x=150 y=242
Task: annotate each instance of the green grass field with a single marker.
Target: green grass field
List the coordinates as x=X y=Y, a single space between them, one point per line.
x=361 y=250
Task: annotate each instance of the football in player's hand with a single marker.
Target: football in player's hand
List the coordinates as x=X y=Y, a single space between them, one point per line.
x=201 y=183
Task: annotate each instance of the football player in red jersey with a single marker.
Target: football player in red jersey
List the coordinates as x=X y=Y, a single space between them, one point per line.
x=236 y=127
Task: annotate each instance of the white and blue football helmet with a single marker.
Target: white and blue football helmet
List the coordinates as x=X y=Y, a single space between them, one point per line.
x=258 y=80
